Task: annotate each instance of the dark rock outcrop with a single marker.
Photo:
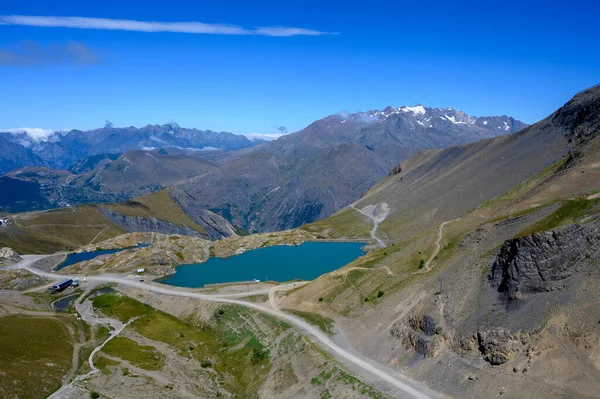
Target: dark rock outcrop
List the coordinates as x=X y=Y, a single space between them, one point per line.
x=397 y=169
x=496 y=345
x=422 y=332
x=538 y=262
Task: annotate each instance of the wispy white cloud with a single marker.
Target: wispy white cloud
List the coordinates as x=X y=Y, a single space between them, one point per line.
x=153 y=26
x=264 y=136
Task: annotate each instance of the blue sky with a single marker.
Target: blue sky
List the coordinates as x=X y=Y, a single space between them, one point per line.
x=522 y=59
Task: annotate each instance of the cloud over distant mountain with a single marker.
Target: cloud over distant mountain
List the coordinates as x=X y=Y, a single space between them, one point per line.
x=36 y=133
x=264 y=136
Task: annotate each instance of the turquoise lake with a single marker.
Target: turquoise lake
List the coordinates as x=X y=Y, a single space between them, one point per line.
x=81 y=256
x=278 y=263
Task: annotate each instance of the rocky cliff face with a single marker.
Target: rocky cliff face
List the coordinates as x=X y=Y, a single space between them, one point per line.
x=139 y=224
x=540 y=261
x=216 y=225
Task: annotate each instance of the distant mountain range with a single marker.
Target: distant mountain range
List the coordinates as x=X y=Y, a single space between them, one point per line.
x=311 y=174
x=296 y=179
x=61 y=150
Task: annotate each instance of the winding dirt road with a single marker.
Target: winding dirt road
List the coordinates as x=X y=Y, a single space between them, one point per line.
x=68 y=391
x=405 y=387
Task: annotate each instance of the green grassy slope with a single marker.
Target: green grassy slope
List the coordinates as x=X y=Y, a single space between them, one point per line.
x=66 y=229
x=36 y=353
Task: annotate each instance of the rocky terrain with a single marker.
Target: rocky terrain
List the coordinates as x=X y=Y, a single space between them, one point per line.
x=8 y=256
x=19 y=279
x=482 y=289
x=159 y=259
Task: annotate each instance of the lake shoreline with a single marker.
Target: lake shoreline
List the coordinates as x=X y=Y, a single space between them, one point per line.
x=277 y=263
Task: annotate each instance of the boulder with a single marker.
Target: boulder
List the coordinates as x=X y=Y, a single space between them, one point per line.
x=496 y=345
x=9 y=256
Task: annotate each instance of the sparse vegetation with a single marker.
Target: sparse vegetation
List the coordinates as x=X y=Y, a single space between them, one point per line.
x=245 y=367
x=324 y=323
x=568 y=212
x=421 y=263
x=484 y=271
x=261 y=298
x=102 y=362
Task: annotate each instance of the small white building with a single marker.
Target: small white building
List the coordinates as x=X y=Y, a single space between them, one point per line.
x=140 y=271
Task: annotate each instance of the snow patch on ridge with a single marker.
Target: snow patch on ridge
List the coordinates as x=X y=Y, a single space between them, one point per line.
x=452 y=119
x=417 y=109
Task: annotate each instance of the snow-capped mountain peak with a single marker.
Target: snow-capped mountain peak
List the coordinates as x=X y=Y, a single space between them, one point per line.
x=427 y=117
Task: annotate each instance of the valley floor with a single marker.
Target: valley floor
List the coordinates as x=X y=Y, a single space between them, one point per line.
x=373 y=377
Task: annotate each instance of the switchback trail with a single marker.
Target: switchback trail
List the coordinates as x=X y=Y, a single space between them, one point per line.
x=408 y=388
x=346 y=271
x=437 y=244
